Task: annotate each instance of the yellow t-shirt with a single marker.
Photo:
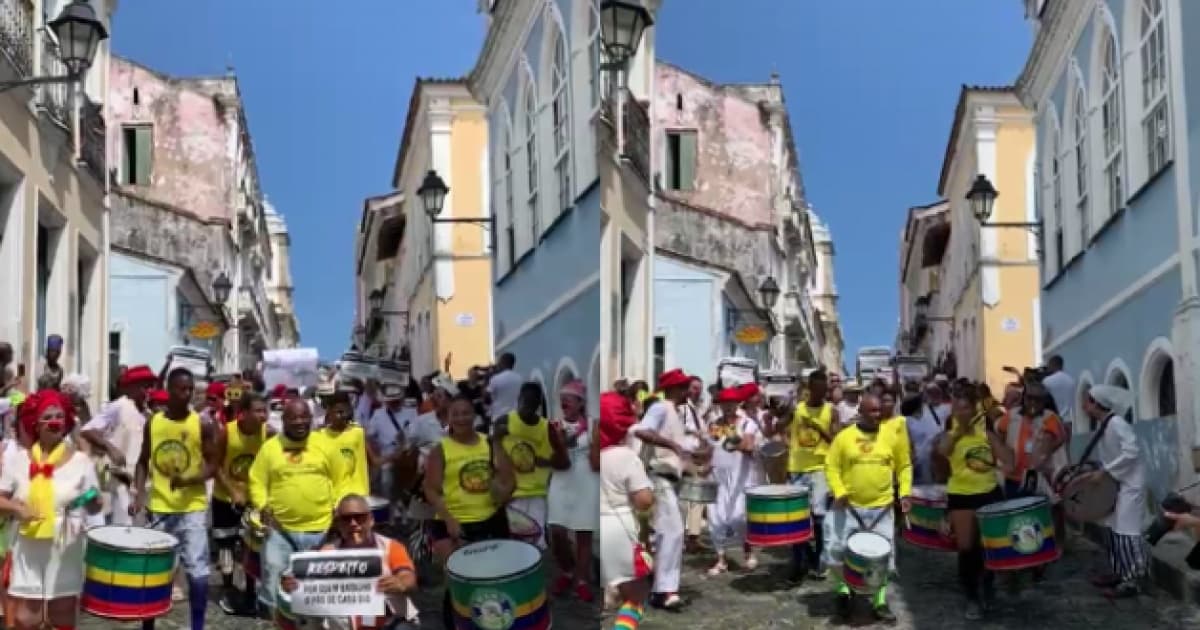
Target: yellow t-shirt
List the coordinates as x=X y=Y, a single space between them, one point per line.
x=298 y=482
x=351 y=442
x=176 y=449
x=898 y=424
x=863 y=467
x=467 y=480
x=523 y=443
x=972 y=463
x=240 y=450
x=806 y=447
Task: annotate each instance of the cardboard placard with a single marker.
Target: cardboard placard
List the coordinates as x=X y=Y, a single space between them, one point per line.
x=338 y=583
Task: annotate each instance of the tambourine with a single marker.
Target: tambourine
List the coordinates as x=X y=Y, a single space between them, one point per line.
x=731 y=443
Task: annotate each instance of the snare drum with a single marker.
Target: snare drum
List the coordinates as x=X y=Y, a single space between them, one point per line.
x=773 y=456
x=285 y=619
x=777 y=515
x=522 y=526
x=128 y=572
x=254 y=533
x=865 y=561
x=498 y=584
x=381 y=510
x=695 y=490
x=927 y=524
x=1017 y=534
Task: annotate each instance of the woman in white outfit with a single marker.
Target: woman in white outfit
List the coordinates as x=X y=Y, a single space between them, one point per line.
x=47 y=488
x=626 y=505
x=734 y=437
x=574 y=497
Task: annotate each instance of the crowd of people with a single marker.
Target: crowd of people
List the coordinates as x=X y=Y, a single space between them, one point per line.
x=860 y=458
x=241 y=478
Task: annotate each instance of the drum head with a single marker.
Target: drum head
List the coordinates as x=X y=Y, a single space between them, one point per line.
x=132 y=538
x=773 y=448
x=1011 y=505
x=929 y=492
x=869 y=545
x=777 y=490
x=377 y=502
x=493 y=559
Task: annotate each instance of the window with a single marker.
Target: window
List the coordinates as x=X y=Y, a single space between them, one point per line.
x=1110 y=114
x=1166 y=390
x=594 y=52
x=510 y=232
x=138 y=144
x=1079 y=120
x=681 y=160
x=1153 y=52
x=1056 y=197
x=562 y=121
x=531 y=159
x=660 y=354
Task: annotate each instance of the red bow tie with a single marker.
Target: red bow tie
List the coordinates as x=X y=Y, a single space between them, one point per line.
x=40 y=469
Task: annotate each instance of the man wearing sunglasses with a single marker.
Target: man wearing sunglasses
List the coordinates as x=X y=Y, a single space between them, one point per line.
x=353 y=528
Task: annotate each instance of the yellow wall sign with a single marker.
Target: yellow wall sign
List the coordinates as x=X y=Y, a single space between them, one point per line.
x=751 y=335
x=204 y=330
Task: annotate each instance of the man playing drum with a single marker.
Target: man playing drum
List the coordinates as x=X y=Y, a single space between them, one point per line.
x=116 y=433
x=239 y=444
x=810 y=430
x=1119 y=457
x=861 y=466
x=292 y=484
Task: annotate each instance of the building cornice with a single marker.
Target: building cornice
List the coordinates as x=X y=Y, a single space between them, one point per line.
x=424 y=90
x=1062 y=20
x=510 y=20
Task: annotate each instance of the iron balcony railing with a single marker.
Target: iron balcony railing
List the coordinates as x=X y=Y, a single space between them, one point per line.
x=637 y=135
x=55 y=97
x=92 y=133
x=16 y=34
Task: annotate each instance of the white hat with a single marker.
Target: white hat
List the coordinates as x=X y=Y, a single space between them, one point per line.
x=1115 y=399
x=442 y=381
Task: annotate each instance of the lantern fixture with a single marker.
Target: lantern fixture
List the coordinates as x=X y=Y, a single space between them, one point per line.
x=622 y=24
x=769 y=291
x=221 y=287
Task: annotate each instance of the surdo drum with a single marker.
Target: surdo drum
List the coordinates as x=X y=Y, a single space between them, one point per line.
x=129 y=572
x=777 y=515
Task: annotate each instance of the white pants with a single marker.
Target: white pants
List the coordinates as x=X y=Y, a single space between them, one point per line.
x=727 y=517
x=534 y=508
x=119 y=500
x=668 y=537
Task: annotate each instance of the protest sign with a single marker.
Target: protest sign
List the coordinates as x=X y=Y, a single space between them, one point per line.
x=339 y=583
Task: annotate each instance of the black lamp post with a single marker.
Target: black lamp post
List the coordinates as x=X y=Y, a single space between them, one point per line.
x=622 y=23
x=433 y=192
x=982 y=198
x=79 y=34
x=221 y=287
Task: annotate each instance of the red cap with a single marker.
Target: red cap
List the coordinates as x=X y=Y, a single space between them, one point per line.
x=749 y=390
x=137 y=374
x=730 y=394
x=673 y=378
x=279 y=391
x=159 y=396
x=216 y=389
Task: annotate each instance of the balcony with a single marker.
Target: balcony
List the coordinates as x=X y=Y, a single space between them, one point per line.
x=55 y=98
x=92 y=132
x=637 y=132
x=16 y=35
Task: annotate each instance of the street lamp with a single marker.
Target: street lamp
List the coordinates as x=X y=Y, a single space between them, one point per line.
x=622 y=23
x=360 y=336
x=375 y=300
x=982 y=198
x=221 y=287
x=769 y=291
x=433 y=197
x=79 y=34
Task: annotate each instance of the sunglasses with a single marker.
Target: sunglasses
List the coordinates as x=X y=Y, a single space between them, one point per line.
x=360 y=518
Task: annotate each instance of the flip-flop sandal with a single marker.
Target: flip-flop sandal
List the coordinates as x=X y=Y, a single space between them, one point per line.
x=716 y=570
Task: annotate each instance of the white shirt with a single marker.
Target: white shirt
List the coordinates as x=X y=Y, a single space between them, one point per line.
x=1119 y=454
x=504 y=388
x=622 y=473
x=1062 y=389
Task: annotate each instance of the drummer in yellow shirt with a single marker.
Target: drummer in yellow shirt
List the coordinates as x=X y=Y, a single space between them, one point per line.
x=348 y=438
x=295 y=483
x=535 y=447
x=809 y=431
x=862 y=467
x=974 y=448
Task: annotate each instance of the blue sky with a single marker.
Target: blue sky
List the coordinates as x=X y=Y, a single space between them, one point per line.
x=871 y=87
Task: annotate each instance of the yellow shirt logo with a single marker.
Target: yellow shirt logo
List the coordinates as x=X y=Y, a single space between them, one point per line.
x=523 y=457
x=980 y=459
x=475 y=477
x=171 y=458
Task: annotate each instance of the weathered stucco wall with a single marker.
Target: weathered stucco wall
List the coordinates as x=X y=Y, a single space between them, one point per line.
x=699 y=235
x=734 y=145
x=171 y=235
x=191 y=166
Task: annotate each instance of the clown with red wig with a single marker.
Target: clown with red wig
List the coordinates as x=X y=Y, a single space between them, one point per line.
x=48 y=488
x=734 y=435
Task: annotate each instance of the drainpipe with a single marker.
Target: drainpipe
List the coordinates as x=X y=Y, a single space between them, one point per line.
x=106 y=256
x=651 y=205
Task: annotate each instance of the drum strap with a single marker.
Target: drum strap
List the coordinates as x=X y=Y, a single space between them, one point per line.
x=1091 y=446
x=863 y=527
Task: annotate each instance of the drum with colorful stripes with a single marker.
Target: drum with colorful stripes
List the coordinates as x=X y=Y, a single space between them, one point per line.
x=865 y=562
x=927 y=524
x=498 y=584
x=1017 y=534
x=285 y=619
x=777 y=515
x=128 y=572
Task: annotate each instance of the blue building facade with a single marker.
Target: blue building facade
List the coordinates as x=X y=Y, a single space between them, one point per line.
x=538 y=77
x=1109 y=86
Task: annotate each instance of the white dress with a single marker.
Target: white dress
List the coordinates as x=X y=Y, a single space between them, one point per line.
x=622 y=473
x=574 y=494
x=47 y=569
x=734 y=472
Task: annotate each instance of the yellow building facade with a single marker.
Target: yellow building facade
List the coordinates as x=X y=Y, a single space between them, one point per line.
x=443 y=277
x=983 y=307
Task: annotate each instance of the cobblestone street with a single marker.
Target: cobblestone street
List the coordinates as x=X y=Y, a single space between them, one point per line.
x=926 y=597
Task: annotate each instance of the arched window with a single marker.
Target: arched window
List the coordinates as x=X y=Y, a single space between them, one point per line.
x=1110 y=115
x=1079 y=126
x=1158 y=381
x=1118 y=378
x=531 y=160
x=1166 y=389
x=1152 y=49
x=1056 y=199
x=561 y=117
x=510 y=232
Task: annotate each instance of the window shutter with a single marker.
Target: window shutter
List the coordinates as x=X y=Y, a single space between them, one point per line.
x=669 y=159
x=687 y=161
x=143 y=152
